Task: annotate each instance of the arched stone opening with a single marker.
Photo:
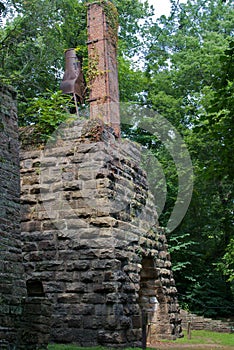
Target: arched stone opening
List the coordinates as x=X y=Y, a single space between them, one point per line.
x=147 y=296
x=152 y=302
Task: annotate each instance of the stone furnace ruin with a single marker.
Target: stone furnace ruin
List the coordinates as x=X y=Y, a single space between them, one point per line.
x=24 y=317
x=90 y=257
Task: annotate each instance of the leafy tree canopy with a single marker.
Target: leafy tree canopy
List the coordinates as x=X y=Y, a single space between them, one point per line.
x=189 y=66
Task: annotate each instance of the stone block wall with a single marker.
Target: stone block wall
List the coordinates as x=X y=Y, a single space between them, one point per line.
x=91 y=239
x=20 y=315
x=12 y=283
x=196 y=322
x=35 y=324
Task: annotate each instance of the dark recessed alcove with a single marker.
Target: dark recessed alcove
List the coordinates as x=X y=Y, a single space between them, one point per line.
x=35 y=288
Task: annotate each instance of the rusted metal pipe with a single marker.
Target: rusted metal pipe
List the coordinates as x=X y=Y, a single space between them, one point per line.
x=73 y=79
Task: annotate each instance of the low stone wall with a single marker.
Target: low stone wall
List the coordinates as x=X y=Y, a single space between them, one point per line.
x=91 y=238
x=203 y=323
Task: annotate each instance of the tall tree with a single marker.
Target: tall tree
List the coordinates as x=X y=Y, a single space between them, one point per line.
x=189 y=66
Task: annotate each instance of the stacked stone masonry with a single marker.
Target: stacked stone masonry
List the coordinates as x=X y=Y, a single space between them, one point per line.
x=15 y=320
x=12 y=284
x=203 y=323
x=93 y=254
x=91 y=239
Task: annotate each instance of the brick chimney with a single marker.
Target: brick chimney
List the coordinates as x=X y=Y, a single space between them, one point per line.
x=103 y=73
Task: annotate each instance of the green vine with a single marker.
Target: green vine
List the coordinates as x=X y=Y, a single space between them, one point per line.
x=92 y=71
x=112 y=19
x=111 y=16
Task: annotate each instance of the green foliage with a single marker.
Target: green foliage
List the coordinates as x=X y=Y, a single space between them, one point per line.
x=48 y=111
x=132 y=80
x=112 y=19
x=32 y=44
x=227 y=263
x=189 y=67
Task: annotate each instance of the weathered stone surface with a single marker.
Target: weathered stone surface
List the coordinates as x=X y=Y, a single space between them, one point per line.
x=108 y=257
x=35 y=323
x=12 y=285
x=22 y=324
x=203 y=323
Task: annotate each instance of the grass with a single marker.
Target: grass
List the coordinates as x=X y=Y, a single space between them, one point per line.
x=75 y=347
x=207 y=337
x=202 y=338
x=71 y=347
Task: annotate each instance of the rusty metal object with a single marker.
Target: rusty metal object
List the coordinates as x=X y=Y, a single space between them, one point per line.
x=73 y=80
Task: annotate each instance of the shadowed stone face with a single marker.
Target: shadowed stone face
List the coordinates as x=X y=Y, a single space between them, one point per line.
x=12 y=287
x=87 y=232
x=24 y=321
